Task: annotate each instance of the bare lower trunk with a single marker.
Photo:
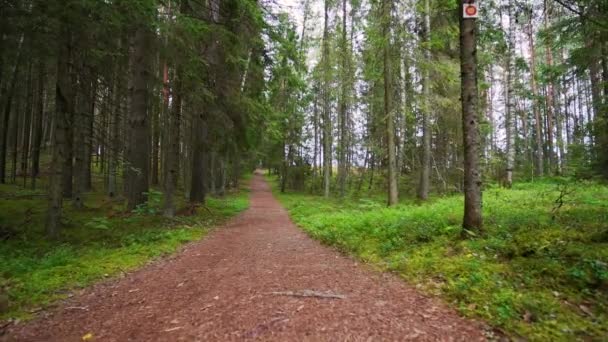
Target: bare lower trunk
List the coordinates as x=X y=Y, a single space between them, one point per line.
x=27 y=125
x=37 y=125
x=198 y=189
x=172 y=154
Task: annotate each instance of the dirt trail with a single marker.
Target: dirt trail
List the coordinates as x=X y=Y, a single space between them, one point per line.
x=239 y=284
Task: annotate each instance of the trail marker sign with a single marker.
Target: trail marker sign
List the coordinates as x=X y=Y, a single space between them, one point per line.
x=470 y=11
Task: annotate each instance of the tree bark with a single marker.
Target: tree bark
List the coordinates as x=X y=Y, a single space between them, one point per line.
x=81 y=130
x=549 y=101
x=27 y=125
x=327 y=138
x=393 y=191
x=7 y=112
x=538 y=156
x=198 y=188
x=472 y=220
x=425 y=170
x=37 y=124
x=510 y=117
x=172 y=146
x=343 y=107
x=138 y=151
x=63 y=106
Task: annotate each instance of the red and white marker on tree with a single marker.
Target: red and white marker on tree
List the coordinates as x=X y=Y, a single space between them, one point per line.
x=470 y=11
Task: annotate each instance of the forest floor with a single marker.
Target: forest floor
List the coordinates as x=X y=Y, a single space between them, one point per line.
x=258 y=277
x=538 y=272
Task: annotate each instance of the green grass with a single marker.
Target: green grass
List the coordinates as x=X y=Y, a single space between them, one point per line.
x=536 y=273
x=98 y=242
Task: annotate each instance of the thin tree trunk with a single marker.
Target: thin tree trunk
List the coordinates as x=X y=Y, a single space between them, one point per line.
x=510 y=117
x=423 y=187
x=315 y=123
x=538 y=160
x=393 y=191
x=550 y=93
x=327 y=138
x=37 y=124
x=27 y=125
x=343 y=107
x=89 y=122
x=172 y=145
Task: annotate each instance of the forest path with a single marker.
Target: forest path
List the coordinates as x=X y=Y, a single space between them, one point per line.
x=244 y=282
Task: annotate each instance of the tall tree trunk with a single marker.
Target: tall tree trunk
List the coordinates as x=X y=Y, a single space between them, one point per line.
x=603 y=163
x=80 y=137
x=393 y=192
x=213 y=172
x=538 y=159
x=425 y=170
x=236 y=169
x=114 y=134
x=510 y=117
x=342 y=169
x=315 y=124
x=37 y=124
x=155 y=145
x=559 y=136
x=172 y=146
x=198 y=189
x=550 y=92
x=27 y=125
x=14 y=131
x=7 y=112
x=68 y=161
x=472 y=220
x=222 y=168
x=327 y=138
x=89 y=122
x=138 y=150
x=63 y=106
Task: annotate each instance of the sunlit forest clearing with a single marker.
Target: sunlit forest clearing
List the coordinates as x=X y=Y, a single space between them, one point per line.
x=440 y=161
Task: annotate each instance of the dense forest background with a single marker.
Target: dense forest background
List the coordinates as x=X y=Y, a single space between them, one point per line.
x=151 y=93
x=113 y=109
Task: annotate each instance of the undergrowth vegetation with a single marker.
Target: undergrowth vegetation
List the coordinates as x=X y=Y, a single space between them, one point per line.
x=540 y=271
x=98 y=242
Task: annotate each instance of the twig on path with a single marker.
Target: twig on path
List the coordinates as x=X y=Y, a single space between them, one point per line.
x=172 y=329
x=84 y=308
x=310 y=293
x=4 y=325
x=207 y=307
